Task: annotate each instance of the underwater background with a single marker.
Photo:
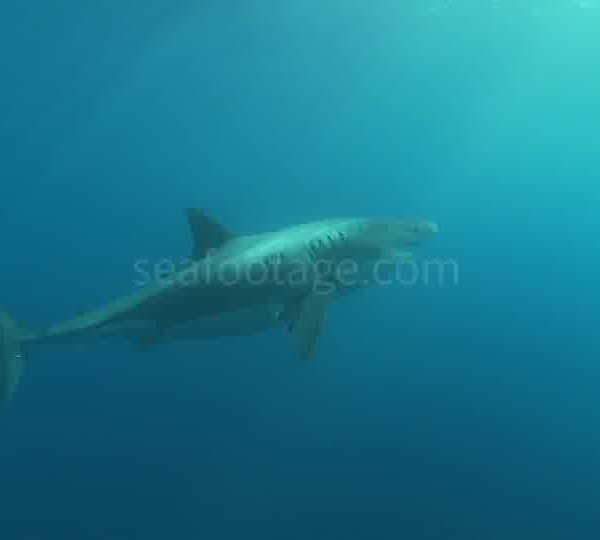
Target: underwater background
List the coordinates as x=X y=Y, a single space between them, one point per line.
x=464 y=411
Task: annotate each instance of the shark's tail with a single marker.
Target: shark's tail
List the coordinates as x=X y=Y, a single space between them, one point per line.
x=12 y=357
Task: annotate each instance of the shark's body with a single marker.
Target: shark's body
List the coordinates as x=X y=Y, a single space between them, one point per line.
x=235 y=285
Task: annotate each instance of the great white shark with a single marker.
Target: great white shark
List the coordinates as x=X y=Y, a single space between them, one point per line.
x=236 y=284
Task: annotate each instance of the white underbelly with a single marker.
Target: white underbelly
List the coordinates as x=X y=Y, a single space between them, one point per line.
x=242 y=322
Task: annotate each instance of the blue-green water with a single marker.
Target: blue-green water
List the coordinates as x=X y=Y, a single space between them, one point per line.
x=467 y=411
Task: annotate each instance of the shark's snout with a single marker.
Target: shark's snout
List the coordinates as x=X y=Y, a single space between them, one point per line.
x=432 y=227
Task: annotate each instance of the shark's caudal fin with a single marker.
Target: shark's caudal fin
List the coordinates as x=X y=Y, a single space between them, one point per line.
x=12 y=358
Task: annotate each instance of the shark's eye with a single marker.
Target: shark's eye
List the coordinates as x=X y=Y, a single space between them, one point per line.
x=342 y=236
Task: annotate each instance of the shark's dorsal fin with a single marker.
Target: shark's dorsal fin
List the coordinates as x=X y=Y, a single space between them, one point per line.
x=207 y=233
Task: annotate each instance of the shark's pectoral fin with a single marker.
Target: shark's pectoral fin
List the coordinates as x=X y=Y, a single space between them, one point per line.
x=306 y=323
x=207 y=233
